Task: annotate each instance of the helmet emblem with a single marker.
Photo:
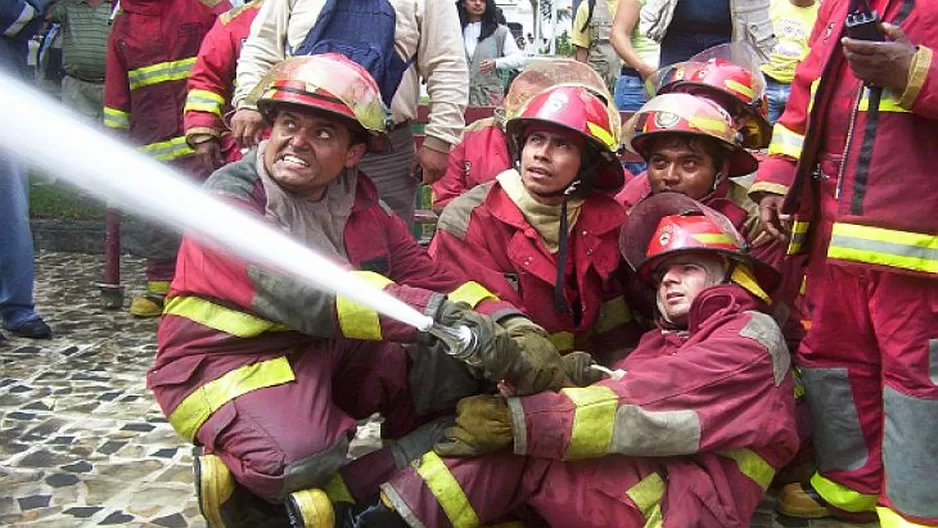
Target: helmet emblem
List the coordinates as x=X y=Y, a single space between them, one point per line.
x=664 y=238
x=666 y=119
x=556 y=101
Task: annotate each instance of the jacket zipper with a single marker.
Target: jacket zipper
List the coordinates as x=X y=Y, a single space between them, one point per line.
x=843 y=158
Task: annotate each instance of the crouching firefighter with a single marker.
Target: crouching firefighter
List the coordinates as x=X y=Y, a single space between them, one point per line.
x=688 y=432
x=269 y=376
x=545 y=235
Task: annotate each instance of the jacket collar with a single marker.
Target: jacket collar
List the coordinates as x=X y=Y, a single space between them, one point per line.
x=720 y=300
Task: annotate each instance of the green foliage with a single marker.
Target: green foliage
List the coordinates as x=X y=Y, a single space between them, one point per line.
x=55 y=200
x=563 y=45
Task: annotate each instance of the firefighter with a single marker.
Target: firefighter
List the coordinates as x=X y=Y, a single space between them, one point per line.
x=510 y=236
x=852 y=159
x=688 y=432
x=211 y=86
x=151 y=49
x=268 y=376
x=482 y=151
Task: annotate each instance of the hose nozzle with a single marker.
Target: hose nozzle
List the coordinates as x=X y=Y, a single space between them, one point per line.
x=461 y=342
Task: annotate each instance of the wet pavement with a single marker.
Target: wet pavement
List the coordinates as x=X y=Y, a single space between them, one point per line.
x=82 y=443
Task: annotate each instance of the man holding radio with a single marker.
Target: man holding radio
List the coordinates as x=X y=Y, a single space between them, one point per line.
x=851 y=160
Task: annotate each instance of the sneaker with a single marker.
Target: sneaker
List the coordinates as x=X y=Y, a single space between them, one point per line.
x=800 y=500
x=310 y=508
x=147 y=305
x=34 y=329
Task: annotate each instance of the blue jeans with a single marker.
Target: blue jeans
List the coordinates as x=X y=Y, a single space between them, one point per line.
x=16 y=245
x=680 y=45
x=629 y=97
x=778 y=96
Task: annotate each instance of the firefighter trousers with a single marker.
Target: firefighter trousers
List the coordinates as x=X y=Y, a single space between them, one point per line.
x=293 y=436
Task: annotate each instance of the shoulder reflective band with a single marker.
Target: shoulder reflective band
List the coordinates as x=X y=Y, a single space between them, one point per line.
x=114 y=118
x=594 y=419
x=471 y=293
x=743 y=276
x=444 y=487
x=168 y=150
x=189 y=415
x=220 y=318
x=799 y=233
x=752 y=465
x=612 y=313
x=357 y=321
x=647 y=498
x=841 y=496
x=204 y=101
x=884 y=247
x=786 y=142
x=160 y=73
x=564 y=341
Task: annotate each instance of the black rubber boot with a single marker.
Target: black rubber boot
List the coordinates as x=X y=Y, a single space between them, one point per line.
x=371 y=514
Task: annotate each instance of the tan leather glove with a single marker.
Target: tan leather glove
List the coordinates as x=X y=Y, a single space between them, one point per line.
x=577 y=366
x=483 y=425
x=539 y=366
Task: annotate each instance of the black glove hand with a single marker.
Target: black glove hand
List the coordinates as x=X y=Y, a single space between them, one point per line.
x=577 y=366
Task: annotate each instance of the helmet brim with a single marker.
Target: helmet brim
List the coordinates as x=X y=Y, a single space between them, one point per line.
x=742 y=162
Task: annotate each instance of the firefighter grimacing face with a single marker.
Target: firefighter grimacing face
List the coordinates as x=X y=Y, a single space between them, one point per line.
x=681 y=279
x=307 y=151
x=550 y=161
x=683 y=164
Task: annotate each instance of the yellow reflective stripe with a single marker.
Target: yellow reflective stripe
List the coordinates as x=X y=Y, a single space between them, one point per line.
x=449 y=495
x=471 y=293
x=885 y=247
x=337 y=491
x=743 y=276
x=891 y=519
x=189 y=415
x=752 y=465
x=739 y=87
x=220 y=318
x=204 y=101
x=713 y=238
x=357 y=321
x=889 y=102
x=593 y=421
x=114 y=118
x=612 y=313
x=168 y=150
x=714 y=126
x=813 y=93
x=786 y=142
x=647 y=496
x=159 y=73
x=841 y=496
x=601 y=134
x=799 y=233
x=158 y=287
x=564 y=341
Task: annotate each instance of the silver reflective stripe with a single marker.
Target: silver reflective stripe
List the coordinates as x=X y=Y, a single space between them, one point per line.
x=764 y=330
x=640 y=432
x=400 y=506
x=933 y=360
x=22 y=19
x=519 y=427
x=455 y=216
x=838 y=438
x=887 y=248
x=910 y=452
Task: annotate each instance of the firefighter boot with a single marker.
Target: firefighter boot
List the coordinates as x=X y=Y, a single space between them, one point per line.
x=150 y=304
x=377 y=512
x=801 y=501
x=224 y=503
x=310 y=508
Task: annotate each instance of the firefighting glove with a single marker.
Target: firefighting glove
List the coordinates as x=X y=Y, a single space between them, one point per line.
x=539 y=366
x=483 y=425
x=577 y=366
x=417 y=442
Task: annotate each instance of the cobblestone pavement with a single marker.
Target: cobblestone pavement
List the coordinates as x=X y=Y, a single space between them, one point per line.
x=82 y=443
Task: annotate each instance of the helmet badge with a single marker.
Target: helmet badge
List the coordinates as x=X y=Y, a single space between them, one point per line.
x=666 y=119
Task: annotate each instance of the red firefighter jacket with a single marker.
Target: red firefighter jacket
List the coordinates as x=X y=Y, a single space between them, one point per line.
x=151 y=49
x=708 y=414
x=480 y=156
x=227 y=323
x=886 y=187
x=485 y=235
x=211 y=83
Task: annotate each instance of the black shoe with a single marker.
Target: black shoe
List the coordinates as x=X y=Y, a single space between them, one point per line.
x=35 y=329
x=372 y=514
x=3 y=339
